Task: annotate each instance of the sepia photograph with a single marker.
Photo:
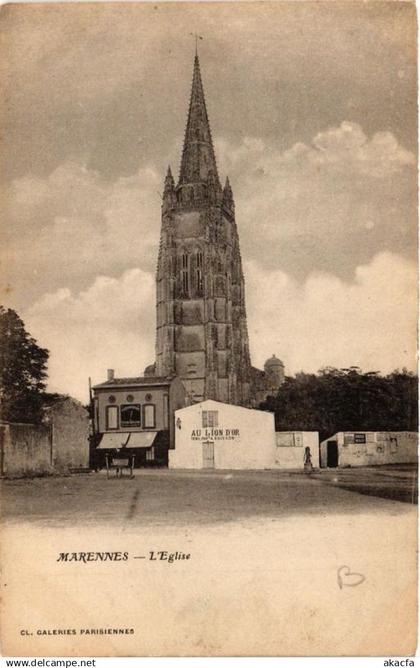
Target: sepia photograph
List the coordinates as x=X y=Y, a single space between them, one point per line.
x=208 y=329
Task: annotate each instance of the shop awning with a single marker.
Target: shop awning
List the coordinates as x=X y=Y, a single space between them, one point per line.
x=141 y=439
x=113 y=441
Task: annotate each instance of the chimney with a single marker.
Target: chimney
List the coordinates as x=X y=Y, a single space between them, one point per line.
x=110 y=374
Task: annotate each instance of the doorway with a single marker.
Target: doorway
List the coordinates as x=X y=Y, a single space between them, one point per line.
x=208 y=455
x=332 y=454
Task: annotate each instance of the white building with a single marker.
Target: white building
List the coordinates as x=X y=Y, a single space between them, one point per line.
x=215 y=435
x=369 y=448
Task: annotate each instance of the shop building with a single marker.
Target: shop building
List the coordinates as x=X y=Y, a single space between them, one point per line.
x=214 y=435
x=134 y=416
x=369 y=448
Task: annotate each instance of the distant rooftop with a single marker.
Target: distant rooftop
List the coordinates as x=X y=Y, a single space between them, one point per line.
x=135 y=381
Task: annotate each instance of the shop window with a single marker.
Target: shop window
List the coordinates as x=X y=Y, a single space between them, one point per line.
x=112 y=417
x=130 y=415
x=210 y=419
x=149 y=416
x=150 y=454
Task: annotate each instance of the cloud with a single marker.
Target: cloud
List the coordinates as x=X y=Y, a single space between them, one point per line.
x=111 y=324
x=369 y=322
x=334 y=203
x=347 y=147
x=73 y=225
x=327 y=230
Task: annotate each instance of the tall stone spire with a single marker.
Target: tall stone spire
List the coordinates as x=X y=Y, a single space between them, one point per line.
x=201 y=329
x=198 y=158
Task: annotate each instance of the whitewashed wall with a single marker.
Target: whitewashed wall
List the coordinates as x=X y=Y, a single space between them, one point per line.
x=290 y=447
x=243 y=439
x=391 y=447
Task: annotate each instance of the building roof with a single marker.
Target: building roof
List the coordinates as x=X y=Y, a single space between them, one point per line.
x=208 y=404
x=137 y=381
x=273 y=361
x=51 y=400
x=198 y=159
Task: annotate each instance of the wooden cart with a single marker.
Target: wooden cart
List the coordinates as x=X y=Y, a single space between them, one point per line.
x=119 y=463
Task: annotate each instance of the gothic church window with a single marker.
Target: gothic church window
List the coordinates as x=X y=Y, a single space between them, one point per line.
x=220 y=286
x=185 y=274
x=199 y=272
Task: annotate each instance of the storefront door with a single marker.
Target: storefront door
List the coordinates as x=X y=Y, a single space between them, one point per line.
x=332 y=454
x=208 y=455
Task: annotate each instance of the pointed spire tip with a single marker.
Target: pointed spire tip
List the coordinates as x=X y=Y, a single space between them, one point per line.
x=198 y=154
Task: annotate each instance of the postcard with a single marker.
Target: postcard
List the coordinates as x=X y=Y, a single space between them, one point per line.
x=208 y=368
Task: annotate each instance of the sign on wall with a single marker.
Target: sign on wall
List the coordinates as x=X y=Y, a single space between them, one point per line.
x=215 y=434
x=350 y=439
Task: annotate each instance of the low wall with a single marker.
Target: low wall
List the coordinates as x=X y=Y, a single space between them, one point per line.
x=290 y=448
x=26 y=450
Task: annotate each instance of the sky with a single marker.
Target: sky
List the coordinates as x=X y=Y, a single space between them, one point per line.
x=313 y=114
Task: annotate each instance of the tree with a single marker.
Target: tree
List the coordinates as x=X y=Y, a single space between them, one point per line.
x=346 y=400
x=23 y=371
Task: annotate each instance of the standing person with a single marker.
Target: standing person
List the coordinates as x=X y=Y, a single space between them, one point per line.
x=307 y=460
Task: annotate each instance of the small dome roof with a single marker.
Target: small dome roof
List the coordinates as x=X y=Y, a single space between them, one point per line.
x=273 y=361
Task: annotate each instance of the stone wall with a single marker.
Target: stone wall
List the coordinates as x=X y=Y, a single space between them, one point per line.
x=70 y=435
x=26 y=450
x=58 y=445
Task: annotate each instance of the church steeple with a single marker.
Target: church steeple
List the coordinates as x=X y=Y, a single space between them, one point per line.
x=201 y=330
x=198 y=159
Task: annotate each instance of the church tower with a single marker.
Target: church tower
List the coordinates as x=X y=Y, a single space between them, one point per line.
x=201 y=331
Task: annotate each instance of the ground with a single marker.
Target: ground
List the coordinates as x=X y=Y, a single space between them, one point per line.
x=168 y=497
x=281 y=564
